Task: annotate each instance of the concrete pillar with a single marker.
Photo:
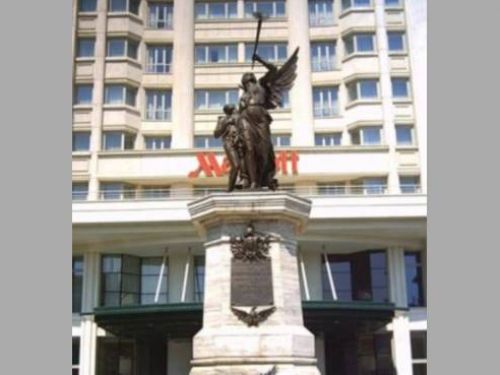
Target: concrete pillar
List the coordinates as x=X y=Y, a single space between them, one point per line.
x=401 y=344
x=386 y=95
x=416 y=18
x=397 y=278
x=301 y=95
x=183 y=71
x=180 y=352
x=97 y=97
x=88 y=338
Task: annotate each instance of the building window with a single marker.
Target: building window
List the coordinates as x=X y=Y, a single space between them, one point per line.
x=323 y=56
x=215 y=99
x=87 y=5
x=363 y=89
x=81 y=141
x=271 y=8
x=157 y=143
x=155 y=192
x=404 y=135
x=281 y=140
x=159 y=59
x=327 y=139
x=325 y=101
x=83 y=95
x=120 y=95
x=154 y=277
x=160 y=15
x=216 y=53
x=400 y=88
x=358 y=276
x=85 y=47
x=120 y=280
x=285 y=100
x=116 y=191
x=374 y=186
x=158 y=105
x=331 y=189
x=75 y=361
x=80 y=191
x=131 y=6
x=203 y=141
x=414 y=278
x=392 y=3
x=409 y=184
x=77 y=284
x=272 y=52
x=355 y=4
x=216 y=10
x=367 y=136
x=359 y=43
x=122 y=47
x=118 y=141
x=419 y=352
x=199 y=278
x=321 y=13
x=396 y=41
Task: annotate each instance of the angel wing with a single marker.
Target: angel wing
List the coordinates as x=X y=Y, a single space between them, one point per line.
x=276 y=81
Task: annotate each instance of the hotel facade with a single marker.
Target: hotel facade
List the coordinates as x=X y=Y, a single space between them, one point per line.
x=149 y=81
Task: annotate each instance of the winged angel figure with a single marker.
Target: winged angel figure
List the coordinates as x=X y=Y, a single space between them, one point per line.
x=254 y=120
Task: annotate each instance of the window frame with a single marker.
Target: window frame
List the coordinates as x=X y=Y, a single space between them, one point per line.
x=127 y=140
x=277 y=48
x=123 y=192
x=360 y=132
x=408 y=95
x=153 y=60
x=76 y=99
x=278 y=139
x=358 y=90
x=207 y=15
x=80 y=2
x=206 y=106
x=321 y=17
x=126 y=91
x=206 y=48
x=355 y=44
x=155 y=192
x=414 y=360
x=209 y=142
x=128 y=7
x=411 y=130
x=328 y=139
x=77 y=133
x=397 y=6
x=79 y=195
x=333 y=188
x=324 y=62
x=332 y=109
x=199 y=266
x=254 y=7
x=128 y=51
x=409 y=188
x=165 y=141
x=158 y=112
x=79 y=274
x=381 y=187
x=354 y=6
x=154 y=20
x=79 y=48
x=404 y=47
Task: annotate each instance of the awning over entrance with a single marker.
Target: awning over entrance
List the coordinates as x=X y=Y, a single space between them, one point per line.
x=185 y=319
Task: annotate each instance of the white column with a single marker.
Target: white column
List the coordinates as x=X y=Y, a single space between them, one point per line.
x=301 y=95
x=183 y=71
x=241 y=8
x=386 y=95
x=416 y=17
x=88 y=338
x=401 y=343
x=97 y=96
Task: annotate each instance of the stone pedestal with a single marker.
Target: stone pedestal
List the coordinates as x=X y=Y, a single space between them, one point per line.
x=226 y=345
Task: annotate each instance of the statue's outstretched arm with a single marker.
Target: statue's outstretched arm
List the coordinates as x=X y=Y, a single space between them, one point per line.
x=263 y=62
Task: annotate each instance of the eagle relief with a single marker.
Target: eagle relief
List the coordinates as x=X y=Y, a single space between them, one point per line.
x=252 y=299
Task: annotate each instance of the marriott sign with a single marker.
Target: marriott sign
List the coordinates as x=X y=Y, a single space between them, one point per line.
x=209 y=165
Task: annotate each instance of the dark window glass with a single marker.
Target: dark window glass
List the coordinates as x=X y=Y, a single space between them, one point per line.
x=117 y=5
x=400 y=87
x=113 y=141
x=368 y=88
x=120 y=278
x=116 y=47
x=80 y=190
x=364 y=43
x=83 y=94
x=392 y=3
x=85 y=47
x=395 y=41
x=357 y=277
x=409 y=184
x=76 y=352
x=419 y=345
x=420 y=369
x=404 y=135
x=199 y=278
x=87 y=5
x=81 y=141
x=77 y=284
x=117 y=357
x=414 y=279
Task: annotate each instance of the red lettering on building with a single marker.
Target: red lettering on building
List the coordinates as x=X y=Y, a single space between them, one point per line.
x=208 y=164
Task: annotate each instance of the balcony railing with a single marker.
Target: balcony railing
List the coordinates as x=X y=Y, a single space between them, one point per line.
x=323 y=65
x=321 y=19
x=159 y=68
x=305 y=191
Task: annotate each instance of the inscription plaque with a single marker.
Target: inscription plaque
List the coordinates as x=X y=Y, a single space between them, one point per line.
x=251 y=283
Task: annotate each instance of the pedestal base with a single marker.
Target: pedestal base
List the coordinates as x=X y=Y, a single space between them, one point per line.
x=269 y=369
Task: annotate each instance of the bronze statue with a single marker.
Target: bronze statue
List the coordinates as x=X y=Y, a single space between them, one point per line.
x=228 y=127
x=253 y=158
